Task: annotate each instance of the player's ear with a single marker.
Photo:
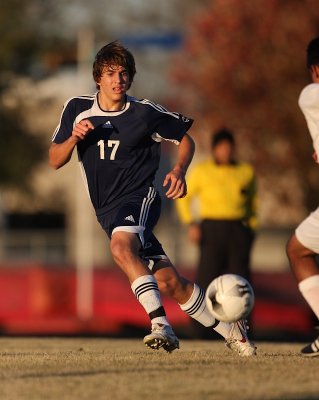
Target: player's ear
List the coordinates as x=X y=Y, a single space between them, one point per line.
x=314 y=70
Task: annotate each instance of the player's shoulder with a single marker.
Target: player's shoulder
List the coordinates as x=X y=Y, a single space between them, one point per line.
x=81 y=100
x=145 y=103
x=244 y=164
x=309 y=95
x=246 y=168
x=146 y=106
x=202 y=165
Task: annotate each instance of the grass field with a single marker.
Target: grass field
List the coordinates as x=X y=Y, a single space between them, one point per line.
x=120 y=369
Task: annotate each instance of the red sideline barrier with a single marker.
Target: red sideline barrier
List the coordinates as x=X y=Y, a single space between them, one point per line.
x=38 y=300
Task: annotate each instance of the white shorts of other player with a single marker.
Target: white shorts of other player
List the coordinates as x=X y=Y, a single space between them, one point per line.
x=308 y=232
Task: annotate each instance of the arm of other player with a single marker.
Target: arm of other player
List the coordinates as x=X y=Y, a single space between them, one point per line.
x=176 y=177
x=60 y=153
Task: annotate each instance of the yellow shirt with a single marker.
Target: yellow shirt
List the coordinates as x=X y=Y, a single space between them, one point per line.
x=223 y=192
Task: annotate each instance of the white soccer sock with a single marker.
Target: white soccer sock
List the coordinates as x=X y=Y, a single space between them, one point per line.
x=223 y=328
x=147 y=293
x=196 y=308
x=309 y=288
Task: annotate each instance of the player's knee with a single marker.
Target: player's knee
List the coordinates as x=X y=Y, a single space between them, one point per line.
x=120 y=251
x=169 y=287
x=297 y=253
x=166 y=288
x=116 y=250
x=293 y=249
x=290 y=249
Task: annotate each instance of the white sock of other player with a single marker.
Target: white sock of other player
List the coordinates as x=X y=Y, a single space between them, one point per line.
x=196 y=308
x=309 y=288
x=147 y=293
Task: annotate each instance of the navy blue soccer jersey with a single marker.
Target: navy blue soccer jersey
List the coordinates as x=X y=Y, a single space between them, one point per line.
x=121 y=155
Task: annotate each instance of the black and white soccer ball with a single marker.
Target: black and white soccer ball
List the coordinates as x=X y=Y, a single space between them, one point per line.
x=230 y=298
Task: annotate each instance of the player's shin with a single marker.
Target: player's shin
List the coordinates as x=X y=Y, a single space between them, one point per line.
x=196 y=308
x=146 y=290
x=147 y=293
x=309 y=288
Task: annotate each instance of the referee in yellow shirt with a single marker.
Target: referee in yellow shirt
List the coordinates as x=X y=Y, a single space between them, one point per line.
x=225 y=222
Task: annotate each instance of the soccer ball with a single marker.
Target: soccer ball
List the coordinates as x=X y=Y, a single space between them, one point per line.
x=230 y=298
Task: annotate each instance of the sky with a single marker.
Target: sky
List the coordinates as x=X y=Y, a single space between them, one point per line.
x=120 y=17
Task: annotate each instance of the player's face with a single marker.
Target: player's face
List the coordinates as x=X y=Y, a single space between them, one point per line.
x=114 y=84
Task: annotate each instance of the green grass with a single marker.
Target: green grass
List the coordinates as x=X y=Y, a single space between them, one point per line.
x=118 y=369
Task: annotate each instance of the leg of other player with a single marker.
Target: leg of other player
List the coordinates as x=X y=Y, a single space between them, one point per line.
x=302 y=260
x=303 y=264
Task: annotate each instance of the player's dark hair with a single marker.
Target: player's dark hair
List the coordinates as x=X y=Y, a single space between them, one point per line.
x=222 y=135
x=110 y=55
x=313 y=52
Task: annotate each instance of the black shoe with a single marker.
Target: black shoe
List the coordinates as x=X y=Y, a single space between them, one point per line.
x=312 y=349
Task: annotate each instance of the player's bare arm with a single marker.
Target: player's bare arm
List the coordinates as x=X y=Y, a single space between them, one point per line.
x=60 y=154
x=176 y=177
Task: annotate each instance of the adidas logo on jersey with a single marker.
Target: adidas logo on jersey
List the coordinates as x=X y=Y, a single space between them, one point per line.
x=130 y=218
x=107 y=125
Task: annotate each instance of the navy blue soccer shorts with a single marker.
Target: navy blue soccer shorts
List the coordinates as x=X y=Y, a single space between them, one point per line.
x=138 y=214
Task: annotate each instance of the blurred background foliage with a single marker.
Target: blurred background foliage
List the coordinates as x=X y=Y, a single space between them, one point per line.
x=243 y=66
x=21 y=48
x=20 y=152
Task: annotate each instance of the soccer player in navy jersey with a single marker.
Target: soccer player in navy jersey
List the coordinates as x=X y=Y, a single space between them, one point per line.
x=118 y=142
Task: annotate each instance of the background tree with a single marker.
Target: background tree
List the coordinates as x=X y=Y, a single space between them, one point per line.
x=243 y=66
x=19 y=151
x=26 y=40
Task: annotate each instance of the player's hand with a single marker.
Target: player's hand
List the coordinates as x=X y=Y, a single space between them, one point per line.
x=315 y=157
x=177 y=184
x=81 y=129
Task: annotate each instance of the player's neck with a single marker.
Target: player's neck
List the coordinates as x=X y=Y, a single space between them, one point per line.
x=107 y=104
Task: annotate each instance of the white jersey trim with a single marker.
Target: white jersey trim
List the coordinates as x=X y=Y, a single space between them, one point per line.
x=158 y=138
x=96 y=111
x=86 y=97
x=159 y=108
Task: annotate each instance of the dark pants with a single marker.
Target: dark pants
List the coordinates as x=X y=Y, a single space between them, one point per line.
x=224 y=249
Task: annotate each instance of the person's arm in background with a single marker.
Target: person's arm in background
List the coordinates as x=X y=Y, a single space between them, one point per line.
x=176 y=177
x=252 y=204
x=185 y=208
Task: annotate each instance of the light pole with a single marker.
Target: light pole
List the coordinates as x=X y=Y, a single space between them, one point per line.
x=84 y=240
